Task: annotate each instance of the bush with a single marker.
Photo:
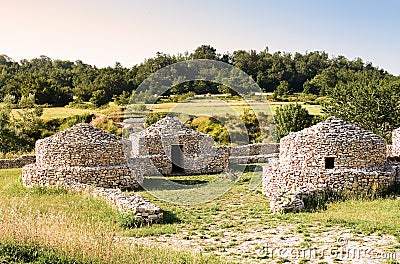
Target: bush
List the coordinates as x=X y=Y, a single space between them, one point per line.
x=154 y=117
x=213 y=127
x=291 y=118
x=128 y=220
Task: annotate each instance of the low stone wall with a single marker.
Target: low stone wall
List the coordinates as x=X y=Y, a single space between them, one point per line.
x=101 y=176
x=145 y=212
x=17 y=162
x=255 y=149
x=339 y=180
x=395 y=151
x=288 y=189
x=211 y=162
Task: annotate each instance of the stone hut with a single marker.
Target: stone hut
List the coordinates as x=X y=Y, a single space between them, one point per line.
x=170 y=147
x=81 y=154
x=333 y=155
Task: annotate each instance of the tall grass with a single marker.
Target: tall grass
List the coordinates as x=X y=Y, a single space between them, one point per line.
x=79 y=226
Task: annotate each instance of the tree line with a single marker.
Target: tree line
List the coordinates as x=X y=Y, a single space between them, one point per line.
x=62 y=82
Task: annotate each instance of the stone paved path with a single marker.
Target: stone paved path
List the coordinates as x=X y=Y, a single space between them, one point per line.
x=274 y=245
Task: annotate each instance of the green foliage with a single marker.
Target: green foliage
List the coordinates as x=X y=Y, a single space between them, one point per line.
x=367 y=99
x=252 y=125
x=109 y=126
x=99 y=98
x=154 y=117
x=58 y=82
x=182 y=97
x=291 y=118
x=52 y=126
x=128 y=220
x=19 y=129
x=213 y=127
x=138 y=107
x=282 y=90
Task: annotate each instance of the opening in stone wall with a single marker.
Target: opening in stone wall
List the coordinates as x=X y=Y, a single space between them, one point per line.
x=177 y=158
x=329 y=162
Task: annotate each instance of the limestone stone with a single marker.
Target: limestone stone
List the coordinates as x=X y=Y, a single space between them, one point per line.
x=334 y=156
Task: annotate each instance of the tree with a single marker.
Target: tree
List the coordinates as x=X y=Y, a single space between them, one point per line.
x=369 y=100
x=291 y=118
x=205 y=52
x=99 y=98
x=20 y=129
x=282 y=89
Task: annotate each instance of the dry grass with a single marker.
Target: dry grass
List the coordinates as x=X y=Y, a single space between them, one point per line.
x=80 y=226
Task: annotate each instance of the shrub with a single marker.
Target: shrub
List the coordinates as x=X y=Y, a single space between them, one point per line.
x=128 y=220
x=291 y=118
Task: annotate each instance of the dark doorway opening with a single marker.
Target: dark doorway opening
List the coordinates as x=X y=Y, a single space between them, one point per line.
x=329 y=162
x=177 y=158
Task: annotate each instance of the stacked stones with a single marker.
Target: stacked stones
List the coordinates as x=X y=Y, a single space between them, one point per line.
x=83 y=154
x=357 y=161
x=89 y=160
x=395 y=149
x=152 y=149
x=144 y=211
x=17 y=162
x=253 y=153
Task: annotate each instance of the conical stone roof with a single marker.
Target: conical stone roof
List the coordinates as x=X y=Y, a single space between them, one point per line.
x=82 y=133
x=336 y=130
x=168 y=126
x=80 y=145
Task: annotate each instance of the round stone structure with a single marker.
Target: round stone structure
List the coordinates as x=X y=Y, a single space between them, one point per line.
x=82 y=154
x=333 y=156
x=332 y=144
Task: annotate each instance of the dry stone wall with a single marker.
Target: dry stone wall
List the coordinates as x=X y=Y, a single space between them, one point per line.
x=81 y=154
x=152 y=151
x=17 y=162
x=334 y=156
x=86 y=159
x=145 y=212
x=395 y=148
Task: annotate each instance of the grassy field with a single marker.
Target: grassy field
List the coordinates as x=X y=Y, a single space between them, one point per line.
x=212 y=107
x=219 y=108
x=74 y=225
x=86 y=229
x=62 y=112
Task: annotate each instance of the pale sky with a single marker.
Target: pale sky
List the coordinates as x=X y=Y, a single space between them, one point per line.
x=128 y=31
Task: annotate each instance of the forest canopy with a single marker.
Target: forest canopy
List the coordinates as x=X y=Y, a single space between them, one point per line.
x=61 y=82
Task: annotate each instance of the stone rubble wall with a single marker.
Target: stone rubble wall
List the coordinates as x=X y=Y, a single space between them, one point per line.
x=255 y=149
x=83 y=154
x=70 y=154
x=360 y=165
x=395 y=149
x=288 y=189
x=17 y=162
x=105 y=176
x=196 y=163
x=349 y=145
x=145 y=212
x=339 y=180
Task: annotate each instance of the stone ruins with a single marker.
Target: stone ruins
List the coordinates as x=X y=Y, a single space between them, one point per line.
x=87 y=159
x=330 y=157
x=395 y=148
x=17 y=162
x=83 y=154
x=169 y=147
